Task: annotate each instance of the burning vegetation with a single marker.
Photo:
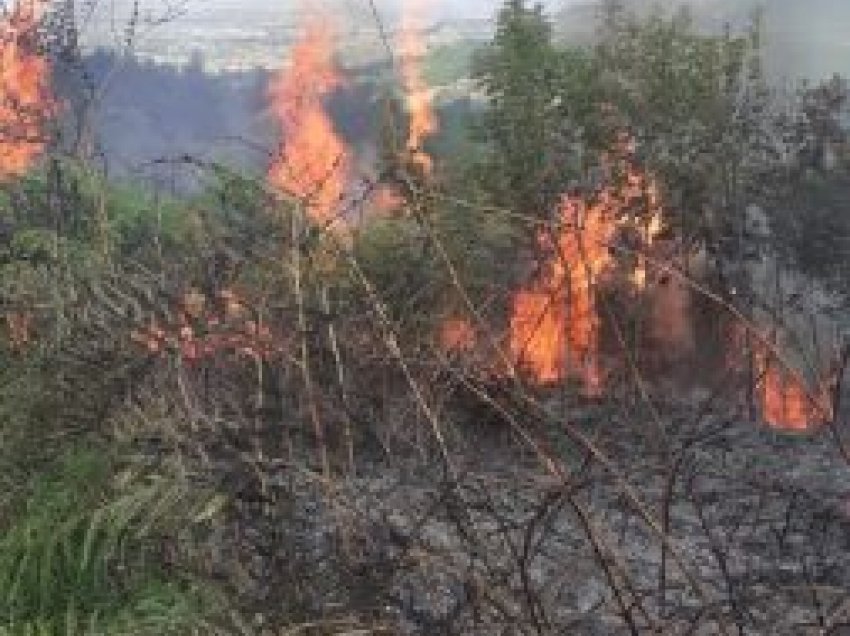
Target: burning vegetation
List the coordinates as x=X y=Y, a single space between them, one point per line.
x=26 y=101
x=555 y=325
x=313 y=162
x=786 y=399
x=523 y=402
x=422 y=120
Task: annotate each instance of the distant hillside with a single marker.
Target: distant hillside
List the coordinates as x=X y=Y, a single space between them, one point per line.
x=223 y=116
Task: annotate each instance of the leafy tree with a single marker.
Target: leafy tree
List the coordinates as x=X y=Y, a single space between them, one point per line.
x=518 y=72
x=698 y=109
x=809 y=217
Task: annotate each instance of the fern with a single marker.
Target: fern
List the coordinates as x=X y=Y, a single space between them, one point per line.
x=83 y=557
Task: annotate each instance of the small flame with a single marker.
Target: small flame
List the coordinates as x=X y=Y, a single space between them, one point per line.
x=25 y=97
x=786 y=401
x=313 y=161
x=650 y=231
x=423 y=122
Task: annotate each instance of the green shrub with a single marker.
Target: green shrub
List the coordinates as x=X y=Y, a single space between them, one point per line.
x=83 y=554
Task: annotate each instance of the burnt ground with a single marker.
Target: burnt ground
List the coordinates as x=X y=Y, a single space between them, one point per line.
x=690 y=523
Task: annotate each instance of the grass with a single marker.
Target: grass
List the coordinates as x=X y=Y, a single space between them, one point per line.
x=82 y=555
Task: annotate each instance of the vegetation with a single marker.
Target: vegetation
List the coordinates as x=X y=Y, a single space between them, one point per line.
x=219 y=415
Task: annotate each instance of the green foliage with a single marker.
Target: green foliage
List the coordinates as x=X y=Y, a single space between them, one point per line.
x=449 y=63
x=395 y=256
x=80 y=555
x=73 y=203
x=413 y=262
x=91 y=546
x=697 y=107
x=521 y=127
x=815 y=230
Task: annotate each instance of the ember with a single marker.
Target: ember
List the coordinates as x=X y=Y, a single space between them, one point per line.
x=457 y=334
x=786 y=401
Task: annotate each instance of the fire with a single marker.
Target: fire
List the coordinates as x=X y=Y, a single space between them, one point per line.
x=786 y=401
x=457 y=334
x=555 y=326
x=25 y=98
x=313 y=161
x=538 y=332
x=423 y=122
x=206 y=328
x=650 y=231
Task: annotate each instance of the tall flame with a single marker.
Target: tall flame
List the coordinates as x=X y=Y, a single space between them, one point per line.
x=555 y=325
x=313 y=161
x=25 y=97
x=423 y=122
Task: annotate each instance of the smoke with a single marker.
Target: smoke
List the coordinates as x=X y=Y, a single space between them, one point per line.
x=802 y=39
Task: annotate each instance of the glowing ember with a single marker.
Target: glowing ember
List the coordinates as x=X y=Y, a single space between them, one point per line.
x=386 y=199
x=205 y=330
x=19 y=327
x=313 y=160
x=457 y=334
x=25 y=99
x=423 y=122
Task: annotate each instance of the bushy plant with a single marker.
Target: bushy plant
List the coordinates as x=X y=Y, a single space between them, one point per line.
x=82 y=553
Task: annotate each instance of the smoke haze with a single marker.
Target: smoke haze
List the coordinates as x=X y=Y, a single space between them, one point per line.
x=203 y=70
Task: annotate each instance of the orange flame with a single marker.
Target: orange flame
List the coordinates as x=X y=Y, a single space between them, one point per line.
x=313 y=161
x=786 y=401
x=554 y=327
x=423 y=122
x=25 y=98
